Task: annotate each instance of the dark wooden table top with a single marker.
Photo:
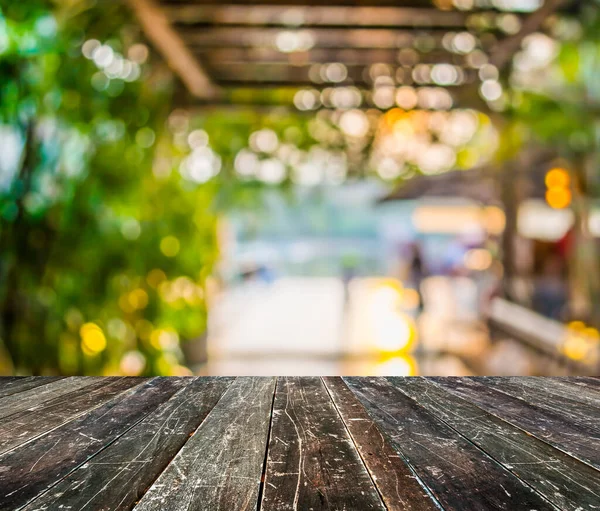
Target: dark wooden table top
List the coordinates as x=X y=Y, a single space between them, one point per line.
x=166 y=444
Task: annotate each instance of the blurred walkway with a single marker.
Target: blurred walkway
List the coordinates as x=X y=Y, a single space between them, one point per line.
x=291 y=326
x=302 y=326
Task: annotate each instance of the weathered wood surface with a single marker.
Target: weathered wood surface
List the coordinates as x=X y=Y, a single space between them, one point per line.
x=577 y=389
x=444 y=460
x=561 y=479
x=565 y=404
x=35 y=467
x=175 y=444
x=553 y=427
x=23 y=426
x=12 y=385
x=593 y=381
x=35 y=396
x=395 y=480
x=220 y=466
x=120 y=474
x=312 y=462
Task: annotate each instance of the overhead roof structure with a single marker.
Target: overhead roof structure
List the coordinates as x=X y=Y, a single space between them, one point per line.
x=256 y=52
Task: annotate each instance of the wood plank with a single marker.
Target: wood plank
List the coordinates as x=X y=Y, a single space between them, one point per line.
x=399 y=487
x=542 y=396
x=312 y=462
x=460 y=475
x=561 y=479
x=576 y=439
x=34 y=396
x=220 y=466
x=119 y=475
x=13 y=385
x=5 y=380
x=32 y=469
x=589 y=381
x=23 y=426
x=576 y=388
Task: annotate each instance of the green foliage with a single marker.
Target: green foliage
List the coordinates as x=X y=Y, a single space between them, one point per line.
x=90 y=234
x=564 y=112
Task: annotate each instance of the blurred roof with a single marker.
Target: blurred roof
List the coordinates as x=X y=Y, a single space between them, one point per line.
x=230 y=52
x=480 y=184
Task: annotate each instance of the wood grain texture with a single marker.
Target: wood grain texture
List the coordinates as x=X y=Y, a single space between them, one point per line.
x=23 y=426
x=35 y=396
x=7 y=380
x=591 y=381
x=460 y=475
x=312 y=462
x=35 y=467
x=220 y=467
x=188 y=444
x=398 y=485
x=543 y=396
x=578 y=440
x=573 y=388
x=13 y=384
x=561 y=479
x=117 y=477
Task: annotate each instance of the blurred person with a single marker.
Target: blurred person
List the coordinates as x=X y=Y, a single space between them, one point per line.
x=550 y=292
x=417 y=271
x=349 y=272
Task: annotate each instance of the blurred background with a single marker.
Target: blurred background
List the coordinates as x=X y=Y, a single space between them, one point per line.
x=358 y=188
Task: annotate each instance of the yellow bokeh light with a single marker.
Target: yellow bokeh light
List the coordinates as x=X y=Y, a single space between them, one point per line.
x=388 y=284
x=155 y=277
x=392 y=332
x=576 y=325
x=93 y=340
x=576 y=347
x=410 y=299
x=592 y=334
x=494 y=219
x=558 y=198
x=399 y=365
x=138 y=298
x=169 y=246
x=557 y=178
x=155 y=339
x=478 y=259
x=125 y=304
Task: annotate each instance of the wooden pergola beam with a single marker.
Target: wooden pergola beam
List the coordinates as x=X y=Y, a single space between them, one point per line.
x=254 y=37
x=174 y=50
x=282 y=73
x=302 y=17
x=349 y=56
x=305 y=3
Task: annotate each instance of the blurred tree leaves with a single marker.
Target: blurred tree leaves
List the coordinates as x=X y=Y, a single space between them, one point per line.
x=84 y=215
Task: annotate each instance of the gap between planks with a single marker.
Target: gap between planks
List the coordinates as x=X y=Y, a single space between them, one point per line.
x=364 y=462
x=263 y=474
